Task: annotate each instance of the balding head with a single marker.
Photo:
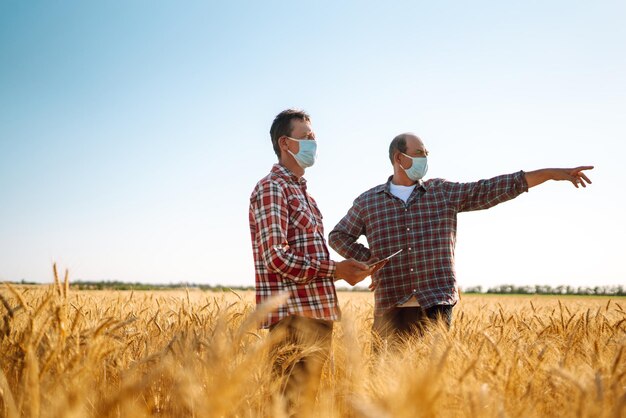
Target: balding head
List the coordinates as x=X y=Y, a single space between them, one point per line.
x=406 y=143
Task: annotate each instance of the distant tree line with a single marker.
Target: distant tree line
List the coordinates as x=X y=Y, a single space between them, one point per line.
x=549 y=290
x=499 y=290
x=117 y=285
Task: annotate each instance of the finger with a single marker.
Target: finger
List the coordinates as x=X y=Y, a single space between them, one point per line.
x=581 y=168
x=359 y=265
x=585 y=177
x=582 y=179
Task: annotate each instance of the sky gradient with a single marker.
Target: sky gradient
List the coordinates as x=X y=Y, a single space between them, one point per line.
x=132 y=133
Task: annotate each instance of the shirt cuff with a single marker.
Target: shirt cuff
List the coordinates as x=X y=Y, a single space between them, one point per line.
x=327 y=269
x=522 y=180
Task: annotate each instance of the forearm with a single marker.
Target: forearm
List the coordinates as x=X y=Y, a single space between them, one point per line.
x=343 y=238
x=295 y=267
x=484 y=194
x=536 y=177
x=346 y=246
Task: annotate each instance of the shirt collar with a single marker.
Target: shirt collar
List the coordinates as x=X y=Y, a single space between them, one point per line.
x=282 y=171
x=385 y=187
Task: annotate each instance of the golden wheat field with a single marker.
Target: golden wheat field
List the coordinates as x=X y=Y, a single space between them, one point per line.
x=191 y=353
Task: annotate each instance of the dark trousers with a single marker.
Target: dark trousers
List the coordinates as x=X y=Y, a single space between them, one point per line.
x=302 y=347
x=402 y=322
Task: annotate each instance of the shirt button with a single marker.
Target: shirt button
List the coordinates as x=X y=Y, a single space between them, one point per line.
x=414 y=291
x=409 y=248
x=406 y=210
x=408 y=229
x=411 y=269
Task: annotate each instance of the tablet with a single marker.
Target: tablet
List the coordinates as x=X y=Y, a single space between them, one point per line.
x=384 y=259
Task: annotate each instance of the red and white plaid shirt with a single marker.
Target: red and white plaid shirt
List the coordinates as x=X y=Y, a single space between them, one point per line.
x=290 y=253
x=424 y=228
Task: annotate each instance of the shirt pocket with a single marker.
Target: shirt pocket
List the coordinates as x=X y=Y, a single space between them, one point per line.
x=300 y=215
x=316 y=211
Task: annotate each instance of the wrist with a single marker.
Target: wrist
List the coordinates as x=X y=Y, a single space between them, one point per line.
x=328 y=269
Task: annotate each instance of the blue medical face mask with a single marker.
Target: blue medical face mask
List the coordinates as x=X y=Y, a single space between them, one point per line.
x=418 y=168
x=307 y=153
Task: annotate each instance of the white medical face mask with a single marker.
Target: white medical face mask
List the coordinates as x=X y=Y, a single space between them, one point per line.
x=418 y=169
x=307 y=153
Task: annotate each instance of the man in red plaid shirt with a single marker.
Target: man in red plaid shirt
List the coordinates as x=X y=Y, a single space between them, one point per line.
x=419 y=217
x=291 y=256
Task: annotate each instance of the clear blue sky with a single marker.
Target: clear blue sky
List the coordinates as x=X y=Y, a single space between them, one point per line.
x=132 y=132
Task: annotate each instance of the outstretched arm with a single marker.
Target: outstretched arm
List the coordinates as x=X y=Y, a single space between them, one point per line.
x=574 y=175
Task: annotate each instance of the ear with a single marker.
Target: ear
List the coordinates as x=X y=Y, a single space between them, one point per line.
x=282 y=143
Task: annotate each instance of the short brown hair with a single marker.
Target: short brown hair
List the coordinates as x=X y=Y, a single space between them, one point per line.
x=282 y=125
x=398 y=144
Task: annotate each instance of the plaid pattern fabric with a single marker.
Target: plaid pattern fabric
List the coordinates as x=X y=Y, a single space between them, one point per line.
x=424 y=227
x=290 y=253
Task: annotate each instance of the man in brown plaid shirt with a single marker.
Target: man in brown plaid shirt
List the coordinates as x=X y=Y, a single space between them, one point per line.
x=419 y=217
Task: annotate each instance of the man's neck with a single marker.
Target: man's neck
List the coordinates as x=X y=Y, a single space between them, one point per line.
x=402 y=180
x=292 y=165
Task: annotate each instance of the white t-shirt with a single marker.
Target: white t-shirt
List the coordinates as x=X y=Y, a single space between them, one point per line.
x=402 y=192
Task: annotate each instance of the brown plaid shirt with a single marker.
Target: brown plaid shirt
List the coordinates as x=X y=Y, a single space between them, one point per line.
x=424 y=228
x=290 y=253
